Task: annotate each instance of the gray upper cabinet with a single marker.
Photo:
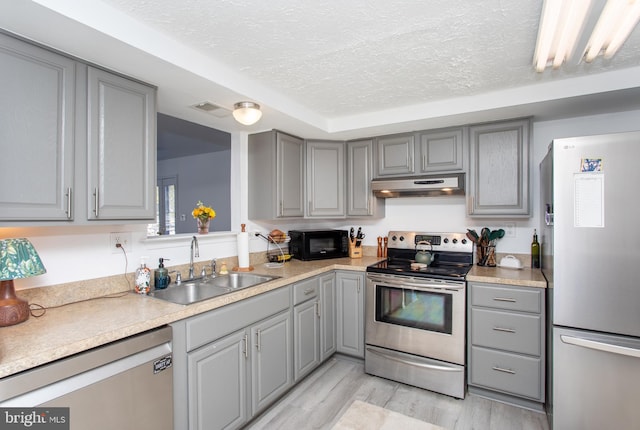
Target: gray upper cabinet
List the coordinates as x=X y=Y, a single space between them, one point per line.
x=325 y=179
x=121 y=147
x=36 y=132
x=87 y=135
x=499 y=169
x=360 y=199
x=395 y=155
x=276 y=175
x=442 y=150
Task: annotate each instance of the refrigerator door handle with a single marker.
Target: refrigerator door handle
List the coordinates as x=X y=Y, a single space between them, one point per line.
x=601 y=346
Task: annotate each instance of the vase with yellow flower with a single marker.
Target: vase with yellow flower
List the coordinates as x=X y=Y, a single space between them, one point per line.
x=203 y=215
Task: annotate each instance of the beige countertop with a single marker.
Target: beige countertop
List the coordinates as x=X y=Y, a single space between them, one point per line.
x=77 y=327
x=525 y=277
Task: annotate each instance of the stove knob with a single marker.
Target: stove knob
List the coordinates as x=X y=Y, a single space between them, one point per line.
x=446 y=240
x=455 y=240
x=394 y=238
x=464 y=241
x=401 y=238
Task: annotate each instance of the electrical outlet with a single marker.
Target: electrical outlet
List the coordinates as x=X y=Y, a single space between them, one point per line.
x=510 y=229
x=121 y=238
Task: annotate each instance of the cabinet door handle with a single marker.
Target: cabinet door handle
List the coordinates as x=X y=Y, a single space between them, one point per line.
x=95 y=201
x=507 y=330
x=281 y=208
x=504 y=299
x=358 y=286
x=502 y=369
x=318 y=309
x=246 y=346
x=69 y=196
x=258 y=339
x=308 y=291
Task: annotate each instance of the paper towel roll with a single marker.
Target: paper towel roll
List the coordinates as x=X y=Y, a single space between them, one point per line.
x=243 y=250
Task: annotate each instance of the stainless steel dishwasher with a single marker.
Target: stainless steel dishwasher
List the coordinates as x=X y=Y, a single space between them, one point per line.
x=124 y=385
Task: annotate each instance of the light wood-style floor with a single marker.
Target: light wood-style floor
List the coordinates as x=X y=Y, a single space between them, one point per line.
x=321 y=399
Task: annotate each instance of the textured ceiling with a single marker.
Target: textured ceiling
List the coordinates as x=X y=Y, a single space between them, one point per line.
x=349 y=66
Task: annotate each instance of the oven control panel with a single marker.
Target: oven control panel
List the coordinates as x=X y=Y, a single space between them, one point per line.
x=439 y=241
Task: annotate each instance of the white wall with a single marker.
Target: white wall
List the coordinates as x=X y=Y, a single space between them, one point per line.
x=77 y=253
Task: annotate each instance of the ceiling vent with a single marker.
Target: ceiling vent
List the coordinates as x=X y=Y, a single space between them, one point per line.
x=212 y=109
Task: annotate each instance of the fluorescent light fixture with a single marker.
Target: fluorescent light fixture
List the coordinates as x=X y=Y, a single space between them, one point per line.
x=247 y=113
x=618 y=19
x=561 y=23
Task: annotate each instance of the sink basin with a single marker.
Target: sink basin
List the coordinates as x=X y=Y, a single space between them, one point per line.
x=196 y=290
x=238 y=281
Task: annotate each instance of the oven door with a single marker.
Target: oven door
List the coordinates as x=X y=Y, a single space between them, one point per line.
x=415 y=315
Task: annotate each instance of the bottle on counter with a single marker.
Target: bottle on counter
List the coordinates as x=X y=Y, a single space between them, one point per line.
x=161 y=277
x=143 y=278
x=535 y=251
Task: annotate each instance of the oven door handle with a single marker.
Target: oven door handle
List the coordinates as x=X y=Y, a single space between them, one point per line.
x=393 y=357
x=406 y=283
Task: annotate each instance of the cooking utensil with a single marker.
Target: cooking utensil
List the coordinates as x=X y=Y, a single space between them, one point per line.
x=471 y=237
x=351 y=234
x=484 y=236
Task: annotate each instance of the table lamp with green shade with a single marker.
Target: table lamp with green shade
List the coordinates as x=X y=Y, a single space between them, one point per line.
x=18 y=259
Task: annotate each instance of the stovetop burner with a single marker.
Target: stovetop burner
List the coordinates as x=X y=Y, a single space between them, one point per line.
x=453 y=255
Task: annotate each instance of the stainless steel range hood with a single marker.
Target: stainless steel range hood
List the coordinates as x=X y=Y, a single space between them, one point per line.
x=419 y=186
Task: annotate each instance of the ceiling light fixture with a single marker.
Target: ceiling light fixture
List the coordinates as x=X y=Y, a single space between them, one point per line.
x=560 y=25
x=562 y=22
x=247 y=113
x=618 y=19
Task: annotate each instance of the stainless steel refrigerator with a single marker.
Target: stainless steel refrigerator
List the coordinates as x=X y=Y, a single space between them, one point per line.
x=590 y=241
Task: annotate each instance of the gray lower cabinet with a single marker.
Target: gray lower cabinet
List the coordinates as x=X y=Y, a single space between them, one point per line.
x=314 y=323
x=506 y=348
x=350 y=297
x=328 y=320
x=233 y=362
x=276 y=175
x=88 y=133
x=325 y=179
x=499 y=169
x=306 y=327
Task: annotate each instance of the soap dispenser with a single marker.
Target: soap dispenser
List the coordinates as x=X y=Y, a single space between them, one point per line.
x=161 y=277
x=143 y=278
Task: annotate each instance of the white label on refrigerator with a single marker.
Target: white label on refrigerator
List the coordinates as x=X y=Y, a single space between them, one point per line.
x=588 y=210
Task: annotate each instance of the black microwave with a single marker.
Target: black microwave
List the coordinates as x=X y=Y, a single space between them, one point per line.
x=318 y=244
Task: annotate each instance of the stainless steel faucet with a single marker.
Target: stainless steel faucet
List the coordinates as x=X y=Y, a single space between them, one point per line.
x=213 y=268
x=194 y=252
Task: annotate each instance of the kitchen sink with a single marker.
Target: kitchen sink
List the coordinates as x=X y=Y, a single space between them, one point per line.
x=196 y=290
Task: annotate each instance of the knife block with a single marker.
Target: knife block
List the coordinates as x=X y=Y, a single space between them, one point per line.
x=355 y=251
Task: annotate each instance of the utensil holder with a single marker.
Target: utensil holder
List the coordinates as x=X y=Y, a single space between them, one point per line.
x=486 y=255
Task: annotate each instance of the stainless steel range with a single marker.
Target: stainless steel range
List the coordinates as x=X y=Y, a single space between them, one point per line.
x=415 y=315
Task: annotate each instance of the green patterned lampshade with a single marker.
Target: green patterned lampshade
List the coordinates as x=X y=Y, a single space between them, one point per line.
x=19 y=259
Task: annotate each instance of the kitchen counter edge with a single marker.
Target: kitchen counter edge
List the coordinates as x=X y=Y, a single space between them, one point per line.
x=80 y=326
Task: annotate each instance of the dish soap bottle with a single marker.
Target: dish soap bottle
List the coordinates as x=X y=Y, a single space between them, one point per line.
x=143 y=278
x=535 y=251
x=161 y=276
